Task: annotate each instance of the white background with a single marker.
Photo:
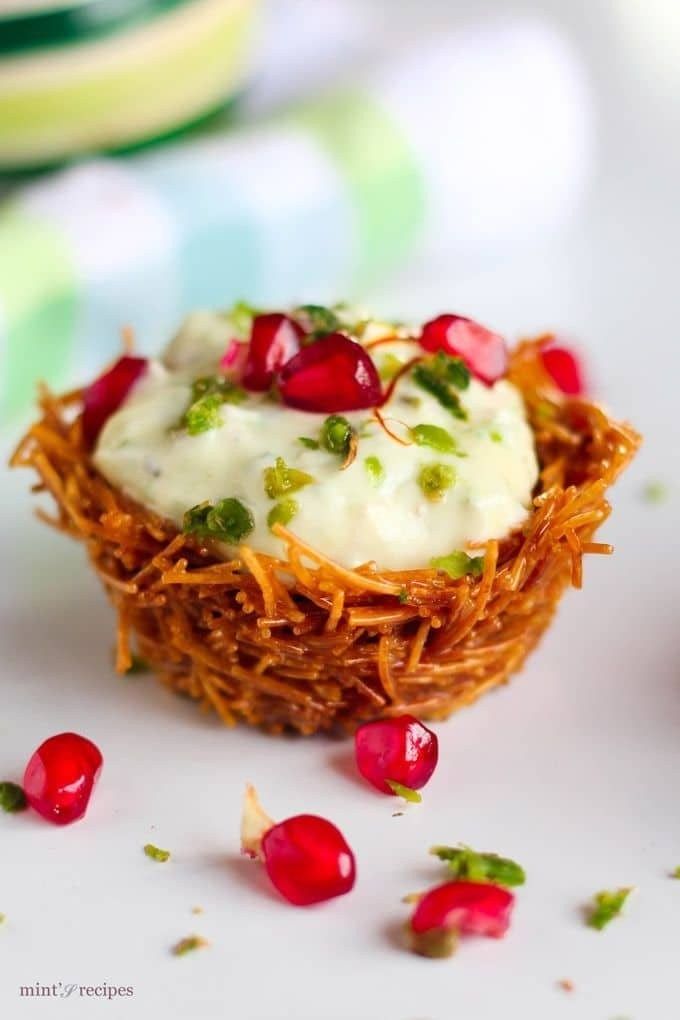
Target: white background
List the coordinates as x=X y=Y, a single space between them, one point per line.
x=572 y=770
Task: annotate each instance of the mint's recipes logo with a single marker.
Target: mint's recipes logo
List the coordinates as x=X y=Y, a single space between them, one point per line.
x=68 y=990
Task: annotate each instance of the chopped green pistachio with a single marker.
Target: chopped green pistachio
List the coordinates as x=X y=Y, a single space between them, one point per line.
x=3 y=918
x=311 y=444
x=606 y=906
x=207 y=396
x=464 y=862
x=336 y=434
x=242 y=315
x=404 y=791
x=389 y=366
x=458 y=564
x=12 y=797
x=675 y=873
x=403 y=596
x=155 y=853
x=435 y=479
x=321 y=319
x=227 y=521
x=435 y=437
x=137 y=665
x=655 y=492
x=188 y=944
x=282 y=513
x=281 y=479
x=375 y=470
x=495 y=436
x=439 y=376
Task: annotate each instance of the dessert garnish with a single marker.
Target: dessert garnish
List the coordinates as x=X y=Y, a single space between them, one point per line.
x=396 y=756
x=607 y=905
x=189 y=944
x=60 y=777
x=458 y=908
x=155 y=853
x=12 y=797
x=464 y=862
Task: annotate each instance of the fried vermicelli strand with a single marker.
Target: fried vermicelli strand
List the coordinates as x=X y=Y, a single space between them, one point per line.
x=302 y=642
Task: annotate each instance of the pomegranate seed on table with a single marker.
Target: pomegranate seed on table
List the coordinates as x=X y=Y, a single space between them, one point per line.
x=400 y=750
x=458 y=908
x=483 y=351
x=565 y=370
x=274 y=340
x=60 y=777
x=307 y=858
x=332 y=374
x=107 y=393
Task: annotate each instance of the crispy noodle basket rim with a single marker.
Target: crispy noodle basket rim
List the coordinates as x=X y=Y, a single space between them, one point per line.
x=329 y=647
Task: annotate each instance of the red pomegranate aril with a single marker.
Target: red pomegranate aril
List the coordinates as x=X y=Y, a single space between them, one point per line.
x=60 y=777
x=483 y=351
x=274 y=340
x=469 y=908
x=330 y=375
x=107 y=393
x=308 y=860
x=402 y=750
x=565 y=370
x=232 y=362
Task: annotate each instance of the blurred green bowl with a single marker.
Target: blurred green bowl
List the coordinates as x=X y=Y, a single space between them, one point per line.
x=95 y=75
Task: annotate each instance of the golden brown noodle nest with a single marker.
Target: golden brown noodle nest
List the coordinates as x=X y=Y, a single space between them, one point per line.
x=332 y=647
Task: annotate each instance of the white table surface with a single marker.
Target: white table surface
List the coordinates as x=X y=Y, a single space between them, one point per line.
x=572 y=769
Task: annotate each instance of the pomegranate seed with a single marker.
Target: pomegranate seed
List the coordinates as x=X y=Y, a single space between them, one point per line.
x=484 y=352
x=274 y=340
x=60 y=777
x=232 y=362
x=402 y=750
x=332 y=374
x=107 y=393
x=565 y=370
x=458 y=908
x=308 y=860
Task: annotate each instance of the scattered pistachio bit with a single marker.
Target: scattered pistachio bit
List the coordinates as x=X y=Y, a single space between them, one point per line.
x=606 y=906
x=188 y=944
x=435 y=479
x=3 y=918
x=675 y=873
x=389 y=366
x=464 y=862
x=655 y=492
x=458 y=564
x=311 y=444
x=227 y=521
x=374 y=469
x=321 y=320
x=242 y=315
x=435 y=437
x=403 y=596
x=207 y=396
x=137 y=665
x=404 y=791
x=155 y=853
x=12 y=797
x=336 y=434
x=281 y=479
x=282 y=513
x=440 y=376
x=495 y=436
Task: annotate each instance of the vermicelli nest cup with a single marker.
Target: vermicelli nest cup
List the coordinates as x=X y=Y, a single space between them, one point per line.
x=302 y=643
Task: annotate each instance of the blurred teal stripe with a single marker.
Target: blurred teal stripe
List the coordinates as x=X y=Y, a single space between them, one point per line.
x=79 y=23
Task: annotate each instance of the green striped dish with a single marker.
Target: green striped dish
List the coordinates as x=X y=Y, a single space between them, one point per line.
x=120 y=83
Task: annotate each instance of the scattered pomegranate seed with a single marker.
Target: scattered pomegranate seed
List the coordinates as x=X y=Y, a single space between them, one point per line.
x=60 y=777
x=306 y=857
x=274 y=340
x=332 y=374
x=484 y=352
x=458 y=908
x=308 y=860
x=400 y=750
x=107 y=393
x=565 y=370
